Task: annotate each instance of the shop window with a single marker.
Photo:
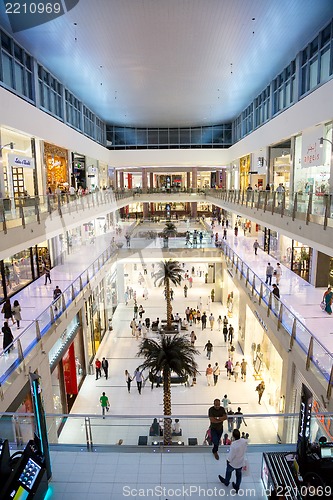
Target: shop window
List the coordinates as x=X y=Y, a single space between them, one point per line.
x=18 y=53
x=6 y=42
x=18 y=272
x=19 y=78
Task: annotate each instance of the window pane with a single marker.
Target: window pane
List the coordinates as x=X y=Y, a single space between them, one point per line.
x=313 y=73
x=29 y=91
x=19 y=79
x=288 y=100
x=163 y=136
x=325 y=65
x=7 y=69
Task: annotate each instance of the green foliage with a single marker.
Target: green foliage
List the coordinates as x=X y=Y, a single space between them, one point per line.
x=168 y=271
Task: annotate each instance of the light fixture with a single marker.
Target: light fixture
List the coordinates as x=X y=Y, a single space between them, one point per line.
x=321 y=142
x=10 y=144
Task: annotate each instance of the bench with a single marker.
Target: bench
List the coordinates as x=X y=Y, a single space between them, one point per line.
x=175 y=379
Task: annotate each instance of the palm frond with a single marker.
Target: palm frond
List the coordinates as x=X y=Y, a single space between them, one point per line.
x=168 y=270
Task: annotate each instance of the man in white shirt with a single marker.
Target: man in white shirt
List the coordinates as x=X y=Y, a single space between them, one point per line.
x=235 y=460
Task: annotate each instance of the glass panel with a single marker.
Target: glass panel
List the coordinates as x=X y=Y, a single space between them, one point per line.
x=313 y=73
x=7 y=70
x=325 y=64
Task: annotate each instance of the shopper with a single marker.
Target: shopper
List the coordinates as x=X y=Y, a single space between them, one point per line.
x=56 y=294
x=216 y=373
x=217 y=416
x=98 y=366
x=255 y=246
x=47 y=273
x=269 y=274
x=16 y=310
x=211 y=321
x=139 y=379
x=239 y=418
x=209 y=349
x=276 y=295
x=209 y=375
x=260 y=389
x=235 y=460
x=243 y=369
x=105 y=366
x=236 y=371
x=128 y=379
x=105 y=404
x=7 y=311
x=8 y=338
x=278 y=273
x=203 y=321
x=219 y=322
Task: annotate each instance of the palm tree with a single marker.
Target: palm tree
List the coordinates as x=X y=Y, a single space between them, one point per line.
x=170 y=229
x=169 y=272
x=170 y=353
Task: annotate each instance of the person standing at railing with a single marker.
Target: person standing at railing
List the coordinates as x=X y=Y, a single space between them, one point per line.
x=56 y=294
x=276 y=295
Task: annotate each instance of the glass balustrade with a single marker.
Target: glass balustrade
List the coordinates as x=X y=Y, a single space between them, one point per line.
x=93 y=431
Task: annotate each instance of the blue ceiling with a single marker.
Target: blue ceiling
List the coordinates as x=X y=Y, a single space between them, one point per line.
x=174 y=63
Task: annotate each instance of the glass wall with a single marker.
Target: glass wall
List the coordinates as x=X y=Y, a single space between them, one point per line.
x=56 y=167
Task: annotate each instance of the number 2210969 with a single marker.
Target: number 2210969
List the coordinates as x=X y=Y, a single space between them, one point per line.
x=33 y=8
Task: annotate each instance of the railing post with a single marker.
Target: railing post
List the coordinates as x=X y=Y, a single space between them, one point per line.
x=252 y=200
x=236 y=270
x=253 y=285
x=309 y=210
x=59 y=204
x=310 y=354
x=261 y=293
x=294 y=207
x=19 y=350
x=247 y=276
x=38 y=335
x=22 y=214
x=51 y=315
x=269 y=307
x=280 y=314
x=329 y=387
x=73 y=292
x=265 y=201
x=242 y=271
x=81 y=284
x=327 y=209
x=258 y=201
x=4 y=224
x=242 y=202
x=283 y=203
x=37 y=211
x=293 y=335
x=273 y=202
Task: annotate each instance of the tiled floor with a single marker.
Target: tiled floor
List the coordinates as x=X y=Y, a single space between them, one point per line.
x=94 y=476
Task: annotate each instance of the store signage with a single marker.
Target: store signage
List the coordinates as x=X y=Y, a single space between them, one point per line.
x=21 y=161
x=261 y=321
x=312 y=153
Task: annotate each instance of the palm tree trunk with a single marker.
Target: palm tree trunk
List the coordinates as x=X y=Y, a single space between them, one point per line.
x=168 y=303
x=167 y=407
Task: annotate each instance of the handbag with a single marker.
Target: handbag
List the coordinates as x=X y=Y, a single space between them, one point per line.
x=246 y=468
x=322 y=305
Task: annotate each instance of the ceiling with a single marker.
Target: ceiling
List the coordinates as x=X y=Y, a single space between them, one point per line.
x=175 y=63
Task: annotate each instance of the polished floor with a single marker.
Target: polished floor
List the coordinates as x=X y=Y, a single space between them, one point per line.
x=85 y=475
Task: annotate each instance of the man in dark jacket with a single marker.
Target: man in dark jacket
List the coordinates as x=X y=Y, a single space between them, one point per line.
x=105 y=366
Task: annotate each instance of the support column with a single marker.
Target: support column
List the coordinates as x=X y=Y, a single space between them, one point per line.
x=151 y=180
x=116 y=179
x=320 y=268
x=188 y=180
x=194 y=211
x=144 y=188
x=121 y=179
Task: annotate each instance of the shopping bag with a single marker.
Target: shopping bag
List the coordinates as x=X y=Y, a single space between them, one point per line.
x=322 y=305
x=246 y=468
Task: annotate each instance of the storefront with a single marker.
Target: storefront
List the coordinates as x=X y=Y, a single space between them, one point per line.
x=244 y=172
x=67 y=363
x=96 y=320
x=56 y=165
x=18 y=177
x=267 y=363
x=312 y=171
x=78 y=171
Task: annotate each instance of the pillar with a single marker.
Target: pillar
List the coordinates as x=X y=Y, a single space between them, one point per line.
x=188 y=180
x=151 y=180
x=121 y=179
x=116 y=179
x=320 y=268
x=145 y=208
x=194 y=211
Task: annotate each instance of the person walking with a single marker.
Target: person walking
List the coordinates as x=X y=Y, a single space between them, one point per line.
x=56 y=294
x=105 y=404
x=226 y=402
x=209 y=375
x=328 y=299
x=211 y=321
x=138 y=378
x=47 y=273
x=193 y=337
x=230 y=334
x=217 y=416
x=209 y=349
x=235 y=461
x=135 y=310
x=7 y=311
x=229 y=366
x=225 y=333
x=16 y=310
x=239 y=418
x=105 y=366
x=278 y=273
x=98 y=366
x=219 y=323
x=225 y=321
x=243 y=370
x=128 y=379
x=236 y=370
x=256 y=246
x=260 y=389
x=231 y=419
x=8 y=338
x=224 y=237
x=269 y=274
x=216 y=373
x=203 y=321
